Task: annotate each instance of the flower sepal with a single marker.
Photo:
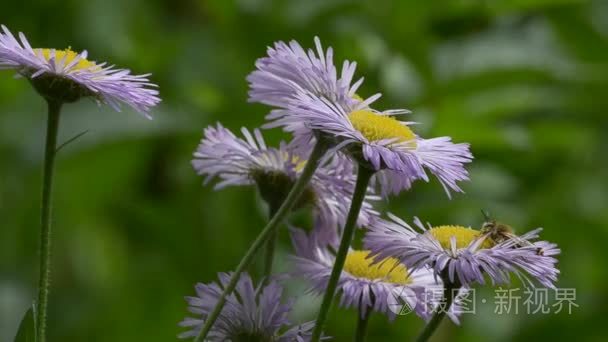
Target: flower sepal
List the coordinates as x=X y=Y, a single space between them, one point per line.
x=275 y=186
x=59 y=89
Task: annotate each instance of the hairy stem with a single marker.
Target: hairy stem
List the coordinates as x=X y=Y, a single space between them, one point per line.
x=265 y=234
x=54 y=110
x=363 y=177
x=270 y=246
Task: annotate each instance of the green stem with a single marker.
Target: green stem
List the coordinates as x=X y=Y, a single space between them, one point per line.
x=270 y=246
x=362 y=323
x=52 y=129
x=442 y=309
x=363 y=177
x=291 y=199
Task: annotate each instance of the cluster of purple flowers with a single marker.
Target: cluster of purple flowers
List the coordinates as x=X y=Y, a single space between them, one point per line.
x=313 y=102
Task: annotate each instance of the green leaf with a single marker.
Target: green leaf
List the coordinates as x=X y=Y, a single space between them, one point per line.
x=27 y=327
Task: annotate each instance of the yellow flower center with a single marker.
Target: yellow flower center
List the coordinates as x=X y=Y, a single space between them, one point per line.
x=390 y=269
x=298 y=162
x=69 y=56
x=379 y=127
x=464 y=236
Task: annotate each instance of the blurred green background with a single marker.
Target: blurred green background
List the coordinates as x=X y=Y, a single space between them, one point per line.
x=524 y=81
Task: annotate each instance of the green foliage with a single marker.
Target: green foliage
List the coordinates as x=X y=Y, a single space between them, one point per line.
x=27 y=327
x=523 y=81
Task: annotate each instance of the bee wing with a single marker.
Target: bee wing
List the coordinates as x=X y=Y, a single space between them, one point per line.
x=518 y=241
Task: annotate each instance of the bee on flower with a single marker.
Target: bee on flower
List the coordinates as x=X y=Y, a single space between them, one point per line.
x=465 y=256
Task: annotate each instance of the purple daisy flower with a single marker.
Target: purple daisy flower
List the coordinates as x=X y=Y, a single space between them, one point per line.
x=466 y=255
x=250 y=161
x=251 y=313
x=289 y=69
x=66 y=76
x=386 y=286
x=312 y=101
x=380 y=141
